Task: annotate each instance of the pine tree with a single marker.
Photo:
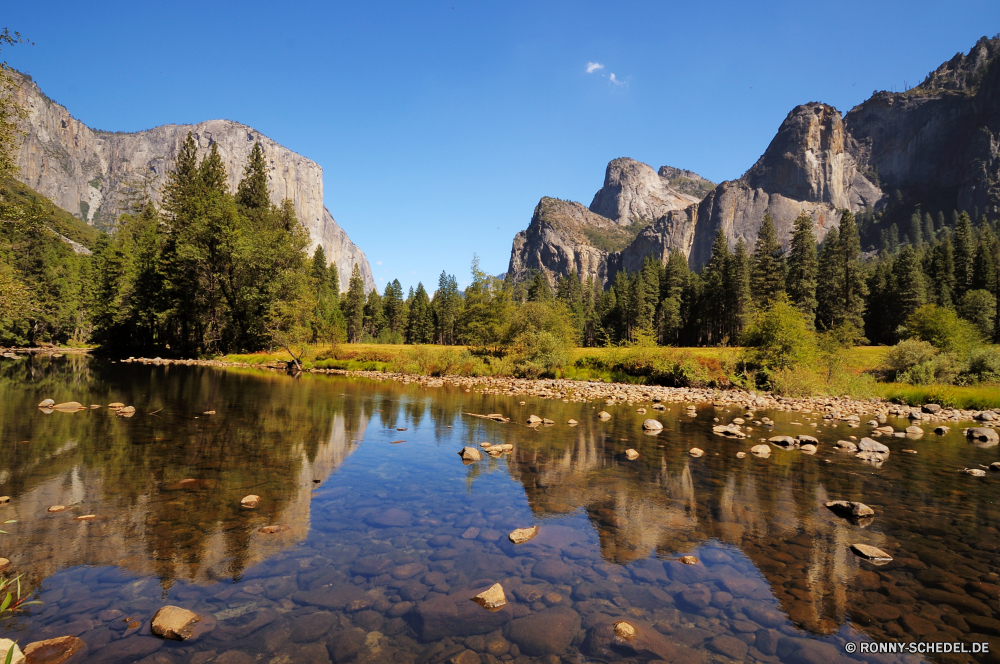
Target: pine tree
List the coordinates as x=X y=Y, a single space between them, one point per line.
x=374 y=316
x=539 y=290
x=964 y=251
x=354 y=306
x=853 y=289
x=942 y=272
x=674 y=283
x=803 y=266
x=909 y=292
x=715 y=310
x=984 y=268
x=740 y=303
x=767 y=275
x=829 y=273
x=447 y=308
x=395 y=308
x=421 y=328
x=252 y=192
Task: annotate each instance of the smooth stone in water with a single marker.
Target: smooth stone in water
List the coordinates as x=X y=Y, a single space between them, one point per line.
x=177 y=624
x=652 y=425
x=57 y=508
x=847 y=445
x=604 y=415
x=631 y=454
x=470 y=454
x=760 y=450
x=696 y=452
x=547 y=632
x=869 y=445
x=942 y=430
x=274 y=529
x=689 y=560
x=250 y=501
x=848 y=508
x=983 y=435
x=5 y=647
x=47 y=403
x=522 y=535
x=492 y=598
x=870 y=552
x=451 y=615
x=534 y=419
x=53 y=651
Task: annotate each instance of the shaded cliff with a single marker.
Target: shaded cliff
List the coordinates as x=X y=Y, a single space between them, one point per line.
x=89 y=172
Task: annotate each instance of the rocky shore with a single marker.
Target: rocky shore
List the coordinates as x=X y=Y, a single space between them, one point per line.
x=843 y=408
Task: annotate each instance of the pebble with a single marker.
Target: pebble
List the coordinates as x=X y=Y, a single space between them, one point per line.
x=696 y=452
x=470 y=454
x=871 y=552
x=631 y=454
x=492 y=598
x=522 y=535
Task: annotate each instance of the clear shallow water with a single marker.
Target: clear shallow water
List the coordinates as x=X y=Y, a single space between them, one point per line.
x=384 y=551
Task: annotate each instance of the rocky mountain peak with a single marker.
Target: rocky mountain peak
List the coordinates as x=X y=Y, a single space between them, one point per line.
x=963 y=72
x=686 y=182
x=634 y=192
x=805 y=160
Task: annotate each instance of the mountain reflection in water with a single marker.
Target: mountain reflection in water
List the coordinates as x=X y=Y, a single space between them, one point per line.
x=387 y=541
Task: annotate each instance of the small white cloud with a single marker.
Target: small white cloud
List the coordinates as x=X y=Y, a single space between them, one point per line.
x=615 y=80
x=379 y=263
x=594 y=66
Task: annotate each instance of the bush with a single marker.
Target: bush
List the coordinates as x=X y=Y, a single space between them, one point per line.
x=942 y=328
x=984 y=366
x=979 y=307
x=777 y=339
x=539 y=338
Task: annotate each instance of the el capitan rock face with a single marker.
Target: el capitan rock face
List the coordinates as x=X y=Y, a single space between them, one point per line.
x=85 y=171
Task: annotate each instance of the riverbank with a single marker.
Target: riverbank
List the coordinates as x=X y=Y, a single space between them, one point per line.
x=851 y=410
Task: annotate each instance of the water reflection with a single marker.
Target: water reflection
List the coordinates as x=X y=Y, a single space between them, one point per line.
x=387 y=542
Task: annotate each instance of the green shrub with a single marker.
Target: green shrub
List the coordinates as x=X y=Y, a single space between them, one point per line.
x=777 y=339
x=942 y=328
x=979 y=307
x=984 y=366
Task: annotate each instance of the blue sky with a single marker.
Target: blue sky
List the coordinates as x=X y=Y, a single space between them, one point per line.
x=439 y=125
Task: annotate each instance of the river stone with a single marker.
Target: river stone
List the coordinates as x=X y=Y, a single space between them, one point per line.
x=395 y=517
x=335 y=596
x=849 y=509
x=729 y=646
x=4 y=564
x=345 y=646
x=869 y=445
x=553 y=570
x=534 y=419
x=4 y=500
x=604 y=415
x=492 y=598
x=728 y=430
x=983 y=435
x=522 y=535
x=455 y=616
x=975 y=472
x=631 y=454
x=914 y=431
x=652 y=425
x=786 y=442
x=696 y=452
x=47 y=403
x=68 y=406
x=806 y=651
x=310 y=628
x=250 y=501
x=847 y=445
x=274 y=529
x=127 y=650
x=760 y=450
x=764 y=615
x=808 y=448
x=546 y=632
x=604 y=641
x=53 y=651
x=802 y=438
x=931 y=408
x=57 y=508
x=5 y=647
x=470 y=454
x=177 y=624
x=870 y=552
x=942 y=430
x=740 y=455
x=125 y=411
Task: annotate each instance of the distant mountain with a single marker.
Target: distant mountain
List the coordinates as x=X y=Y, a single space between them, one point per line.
x=87 y=172
x=937 y=145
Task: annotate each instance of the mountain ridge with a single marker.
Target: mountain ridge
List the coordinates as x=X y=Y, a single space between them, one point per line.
x=87 y=172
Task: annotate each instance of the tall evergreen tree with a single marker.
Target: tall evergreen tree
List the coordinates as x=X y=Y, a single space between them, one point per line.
x=421 y=321
x=374 y=320
x=715 y=310
x=539 y=290
x=942 y=272
x=767 y=275
x=354 y=306
x=964 y=251
x=738 y=285
x=252 y=192
x=447 y=308
x=909 y=291
x=803 y=267
x=395 y=308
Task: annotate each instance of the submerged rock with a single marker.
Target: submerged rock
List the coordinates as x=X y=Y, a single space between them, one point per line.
x=47 y=403
x=689 y=560
x=250 y=501
x=696 y=452
x=870 y=552
x=546 y=632
x=942 y=430
x=786 y=442
x=604 y=415
x=534 y=419
x=53 y=651
x=849 y=509
x=177 y=624
x=975 y=472
x=57 y=508
x=652 y=425
x=869 y=445
x=761 y=450
x=847 y=445
x=728 y=430
x=68 y=407
x=631 y=454
x=275 y=529
x=983 y=435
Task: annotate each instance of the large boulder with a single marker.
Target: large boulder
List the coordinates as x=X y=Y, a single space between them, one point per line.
x=545 y=633
x=177 y=624
x=869 y=445
x=983 y=436
x=455 y=615
x=54 y=651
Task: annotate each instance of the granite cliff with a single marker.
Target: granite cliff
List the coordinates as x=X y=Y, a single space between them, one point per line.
x=87 y=171
x=937 y=144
